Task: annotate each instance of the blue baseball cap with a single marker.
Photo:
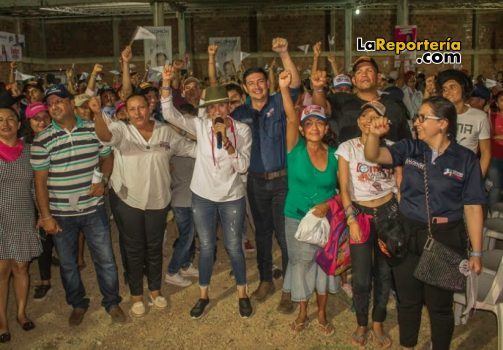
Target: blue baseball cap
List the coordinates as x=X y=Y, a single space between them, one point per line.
x=58 y=90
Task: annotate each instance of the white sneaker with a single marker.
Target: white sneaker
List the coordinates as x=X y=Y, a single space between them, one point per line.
x=137 y=309
x=190 y=271
x=177 y=280
x=159 y=302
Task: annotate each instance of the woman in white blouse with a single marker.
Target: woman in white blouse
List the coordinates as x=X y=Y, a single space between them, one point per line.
x=140 y=193
x=223 y=153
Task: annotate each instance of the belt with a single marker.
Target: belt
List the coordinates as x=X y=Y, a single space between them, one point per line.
x=270 y=176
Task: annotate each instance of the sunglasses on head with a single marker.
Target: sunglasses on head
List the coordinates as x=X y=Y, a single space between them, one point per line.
x=421 y=118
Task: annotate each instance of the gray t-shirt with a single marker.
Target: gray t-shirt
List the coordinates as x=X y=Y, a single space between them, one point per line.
x=181 y=176
x=473 y=125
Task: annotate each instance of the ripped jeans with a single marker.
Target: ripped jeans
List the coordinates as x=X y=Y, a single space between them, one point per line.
x=231 y=214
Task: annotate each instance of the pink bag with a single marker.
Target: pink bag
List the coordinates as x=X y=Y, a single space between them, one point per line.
x=335 y=257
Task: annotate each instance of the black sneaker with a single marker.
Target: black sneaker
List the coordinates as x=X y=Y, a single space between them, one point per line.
x=245 y=308
x=41 y=292
x=198 y=309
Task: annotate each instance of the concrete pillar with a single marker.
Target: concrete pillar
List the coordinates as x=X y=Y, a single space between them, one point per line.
x=348 y=37
x=116 y=42
x=332 y=26
x=182 y=34
x=43 y=39
x=157 y=13
x=403 y=12
x=475 y=43
x=19 y=31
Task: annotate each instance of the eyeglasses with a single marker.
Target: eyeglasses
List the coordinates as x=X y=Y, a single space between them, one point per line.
x=421 y=118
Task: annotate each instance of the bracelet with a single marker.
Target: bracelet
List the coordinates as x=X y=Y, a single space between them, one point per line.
x=476 y=254
x=167 y=88
x=46 y=218
x=350 y=220
x=319 y=90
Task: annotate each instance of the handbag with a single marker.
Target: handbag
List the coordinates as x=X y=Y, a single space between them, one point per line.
x=439 y=265
x=313 y=230
x=335 y=257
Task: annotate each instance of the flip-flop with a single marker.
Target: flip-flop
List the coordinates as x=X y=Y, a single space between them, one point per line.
x=326 y=329
x=359 y=340
x=383 y=341
x=298 y=327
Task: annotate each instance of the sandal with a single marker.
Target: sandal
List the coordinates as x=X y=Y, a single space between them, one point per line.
x=298 y=327
x=359 y=339
x=326 y=329
x=383 y=341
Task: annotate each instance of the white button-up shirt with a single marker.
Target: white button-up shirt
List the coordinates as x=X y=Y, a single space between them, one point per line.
x=141 y=175
x=216 y=173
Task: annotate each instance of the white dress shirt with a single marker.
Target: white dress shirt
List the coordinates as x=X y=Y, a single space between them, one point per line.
x=216 y=173
x=141 y=175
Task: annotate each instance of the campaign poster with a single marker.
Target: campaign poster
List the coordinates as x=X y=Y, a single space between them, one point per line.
x=158 y=52
x=11 y=47
x=228 y=56
x=406 y=34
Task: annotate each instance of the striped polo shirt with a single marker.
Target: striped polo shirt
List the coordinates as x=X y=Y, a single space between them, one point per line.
x=70 y=157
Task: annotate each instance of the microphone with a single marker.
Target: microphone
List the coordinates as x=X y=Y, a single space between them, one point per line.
x=219 y=134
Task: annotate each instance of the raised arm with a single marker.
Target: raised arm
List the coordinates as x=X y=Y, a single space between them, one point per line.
x=280 y=46
x=212 y=69
x=70 y=80
x=176 y=81
x=316 y=55
x=91 y=84
x=100 y=125
x=12 y=72
x=292 y=122
x=127 y=86
x=333 y=63
x=373 y=151
x=271 y=76
x=318 y=82
x=169 y=112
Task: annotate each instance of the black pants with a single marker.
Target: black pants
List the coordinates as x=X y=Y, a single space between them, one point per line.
x=267 y=203
x=45 y=259
x=142 y=234
x=369 y=268
x=412 y=293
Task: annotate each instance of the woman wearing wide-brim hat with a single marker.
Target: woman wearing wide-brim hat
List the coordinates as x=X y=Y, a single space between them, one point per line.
x=223 y=153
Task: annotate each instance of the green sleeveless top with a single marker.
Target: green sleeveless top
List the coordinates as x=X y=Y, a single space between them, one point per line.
x=307 y=186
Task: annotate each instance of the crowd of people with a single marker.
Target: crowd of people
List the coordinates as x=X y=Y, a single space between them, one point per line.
x=263 y=150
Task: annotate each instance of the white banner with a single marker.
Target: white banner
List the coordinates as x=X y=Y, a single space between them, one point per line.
x=11 y=47
x=158 y=52
x=228 y=56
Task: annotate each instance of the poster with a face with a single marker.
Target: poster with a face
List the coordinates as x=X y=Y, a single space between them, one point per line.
x=228 y=56
x=158 y=52
x=406 y=34
x=11 y=47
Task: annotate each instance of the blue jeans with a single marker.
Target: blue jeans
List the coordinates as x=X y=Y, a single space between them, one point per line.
x=231 y=216
x=267 y=202
x=495 y=174
x=181 y=253
x=97 y=231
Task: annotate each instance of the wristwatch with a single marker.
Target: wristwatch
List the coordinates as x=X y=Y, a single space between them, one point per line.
x=105 y=179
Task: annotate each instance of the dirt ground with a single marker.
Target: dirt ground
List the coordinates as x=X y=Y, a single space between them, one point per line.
x=220 y=327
